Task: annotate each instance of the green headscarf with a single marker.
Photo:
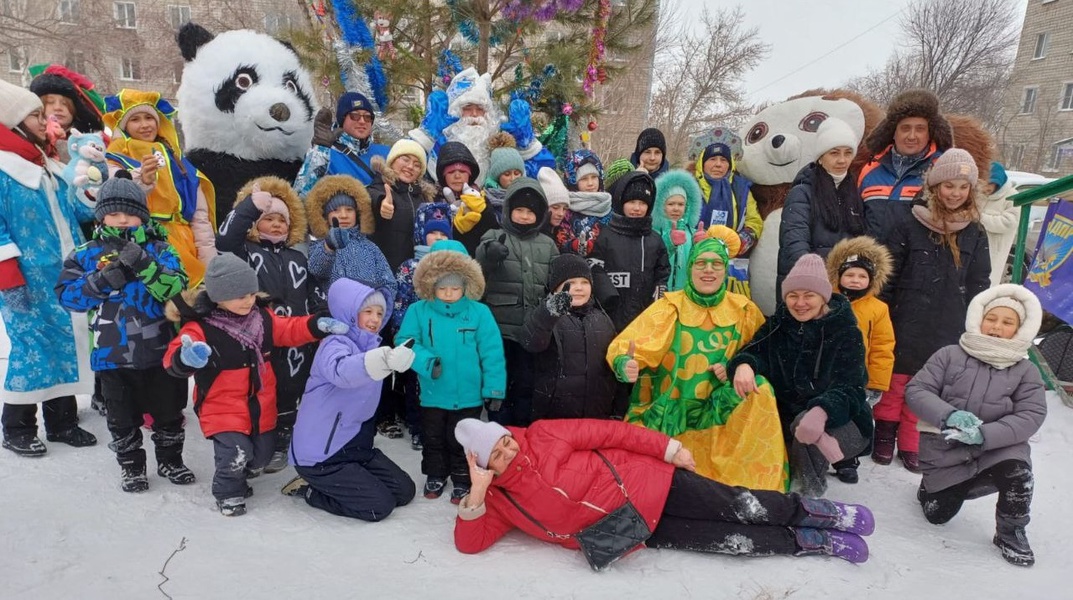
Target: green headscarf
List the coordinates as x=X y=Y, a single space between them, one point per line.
x=709 y=244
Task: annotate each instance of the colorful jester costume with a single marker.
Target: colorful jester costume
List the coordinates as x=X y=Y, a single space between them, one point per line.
x=676 y=340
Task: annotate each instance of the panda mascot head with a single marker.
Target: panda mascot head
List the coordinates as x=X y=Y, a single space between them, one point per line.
x=246 y=107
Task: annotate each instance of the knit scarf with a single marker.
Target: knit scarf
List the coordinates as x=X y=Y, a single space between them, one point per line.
x=13 y=142
x=631 y=226
x=720 y=203
x=839 y=207
x=997 y=352
x=248 y=330
x=591 y=204
x=923 y=214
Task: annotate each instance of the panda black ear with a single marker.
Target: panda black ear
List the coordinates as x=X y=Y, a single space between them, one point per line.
x=289 y=46
x=192 y=36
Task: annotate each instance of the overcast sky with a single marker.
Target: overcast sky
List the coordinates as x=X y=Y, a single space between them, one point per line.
x=800 y=32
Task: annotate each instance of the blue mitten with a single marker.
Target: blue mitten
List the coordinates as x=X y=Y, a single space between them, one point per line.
x=334 y=326
x=971 y=436
x=963 y=420
x=436 y=117
x=337 y=236
x=520 y=123
x=194 y=354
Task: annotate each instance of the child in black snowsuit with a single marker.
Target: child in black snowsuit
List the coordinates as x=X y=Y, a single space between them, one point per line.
x=268 y=221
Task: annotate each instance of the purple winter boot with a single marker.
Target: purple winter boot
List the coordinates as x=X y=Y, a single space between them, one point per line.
x=828 y=514
x=830 y=542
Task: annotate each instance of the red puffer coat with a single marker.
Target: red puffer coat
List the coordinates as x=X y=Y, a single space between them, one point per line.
x=229 y=393
x=558 y=480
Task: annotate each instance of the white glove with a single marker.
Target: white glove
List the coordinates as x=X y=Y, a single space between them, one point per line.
x=376 y=363
x=400 y=358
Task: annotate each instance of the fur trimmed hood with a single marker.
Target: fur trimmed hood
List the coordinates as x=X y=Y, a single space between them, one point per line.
x=323 y=191
x=1010 y=291
x=390 y=178
x=448 y=256
x=912 y=103
x=676 y=178
x=865 y=247
x=282 y=190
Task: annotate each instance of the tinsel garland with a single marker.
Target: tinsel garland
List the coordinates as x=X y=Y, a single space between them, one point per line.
x=541 y=11
x=597 y=50
x=555 y=137
x=356 y=79
x=448 y=66
x=356 y=33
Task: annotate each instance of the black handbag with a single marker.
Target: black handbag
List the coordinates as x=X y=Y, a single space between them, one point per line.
x=608 y=539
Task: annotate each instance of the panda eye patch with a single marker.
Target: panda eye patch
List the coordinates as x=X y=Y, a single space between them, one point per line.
x=232 y=88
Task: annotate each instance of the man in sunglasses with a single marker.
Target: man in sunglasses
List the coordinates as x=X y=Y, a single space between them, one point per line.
x=346 y=149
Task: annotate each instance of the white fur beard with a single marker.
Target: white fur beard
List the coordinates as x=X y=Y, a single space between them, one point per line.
x=473 y=133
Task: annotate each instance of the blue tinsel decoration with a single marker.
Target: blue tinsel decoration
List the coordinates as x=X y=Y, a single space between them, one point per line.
x=356 y=33
x=449 y=66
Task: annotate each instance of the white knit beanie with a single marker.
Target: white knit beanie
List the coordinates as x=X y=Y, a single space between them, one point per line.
x=554 y=188
x=16 y=103
x=479 y=437
x=835 y=133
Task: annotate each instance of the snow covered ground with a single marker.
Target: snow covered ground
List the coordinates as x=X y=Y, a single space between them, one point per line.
x=67 y=531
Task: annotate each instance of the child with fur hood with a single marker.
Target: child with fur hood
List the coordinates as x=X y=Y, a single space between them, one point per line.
x=339 y=470
x=859 y=267
x=125 y=274
x=674 y=216
x=459 y=359
x=515 y=261
x=340 y=216
x=590 y=205
x=225 y=342
x=264 y=227
x=979 y=402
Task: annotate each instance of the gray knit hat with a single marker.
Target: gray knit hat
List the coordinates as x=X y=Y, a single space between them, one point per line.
x=229 y=277
x=121 y=194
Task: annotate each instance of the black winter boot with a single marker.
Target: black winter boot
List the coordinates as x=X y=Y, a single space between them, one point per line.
x=169 y=457
x=278 y=462
x=1011 y=540
x=75 y=436
x=26 y=445
x=132 y=465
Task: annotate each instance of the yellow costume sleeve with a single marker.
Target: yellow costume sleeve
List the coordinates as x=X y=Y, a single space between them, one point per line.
x=752 y=217
x=651 y=332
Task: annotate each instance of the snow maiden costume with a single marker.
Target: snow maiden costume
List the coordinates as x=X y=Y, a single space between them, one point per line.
x=49 y=359
x=675 y=342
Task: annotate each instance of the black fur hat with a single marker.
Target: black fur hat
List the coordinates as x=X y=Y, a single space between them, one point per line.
x=912 y=103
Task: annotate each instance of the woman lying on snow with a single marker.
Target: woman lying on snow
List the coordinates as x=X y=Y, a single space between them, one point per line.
x=557 y=478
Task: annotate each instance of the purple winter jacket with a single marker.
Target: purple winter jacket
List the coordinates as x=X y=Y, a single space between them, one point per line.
x=339 y=396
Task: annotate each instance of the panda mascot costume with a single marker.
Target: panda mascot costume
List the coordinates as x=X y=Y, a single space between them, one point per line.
x=247 y=107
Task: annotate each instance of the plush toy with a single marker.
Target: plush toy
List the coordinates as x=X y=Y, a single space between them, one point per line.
x=385 y=42
x=87 y=169
x=247 y=108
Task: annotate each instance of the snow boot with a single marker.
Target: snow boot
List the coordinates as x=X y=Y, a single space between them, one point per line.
x=415 y=442
x=97 y=404
x=458 y=493
x=132 y=466
x=26 y=445
x=176 y=472
x=389 y=429
x=830 y=542
x=169 y=455
x=434 y=487
x=278 y=462
x=846 y=470
x=886 y=434
x=75 y=436
x=910 y=460
x=232 y=507
x=1011 y=540
x=828 y=514
x=295 y=487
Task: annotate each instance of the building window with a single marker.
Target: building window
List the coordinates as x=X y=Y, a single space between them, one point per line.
x=1060 y=152
x=178 y=15
x=76 y=61
x=68 y=11
x=130 y=69
x=1016 y=156
x=1067 y=96
x=124 y=15
x=14 y=61
x=1042 y=40
x=274 y=24
x=1028 y=104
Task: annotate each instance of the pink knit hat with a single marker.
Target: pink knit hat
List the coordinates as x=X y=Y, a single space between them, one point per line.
x=955 y=163
x=810 y=274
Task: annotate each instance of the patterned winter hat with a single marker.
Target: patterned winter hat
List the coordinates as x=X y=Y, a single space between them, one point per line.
x=616 y=170
x=579 y=161
x=432 y=216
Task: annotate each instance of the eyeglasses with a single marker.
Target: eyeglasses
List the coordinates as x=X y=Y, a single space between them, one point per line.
x=360 y=117
x=714 y=264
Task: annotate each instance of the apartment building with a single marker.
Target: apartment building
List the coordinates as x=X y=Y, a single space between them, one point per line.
x=1037 y=134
